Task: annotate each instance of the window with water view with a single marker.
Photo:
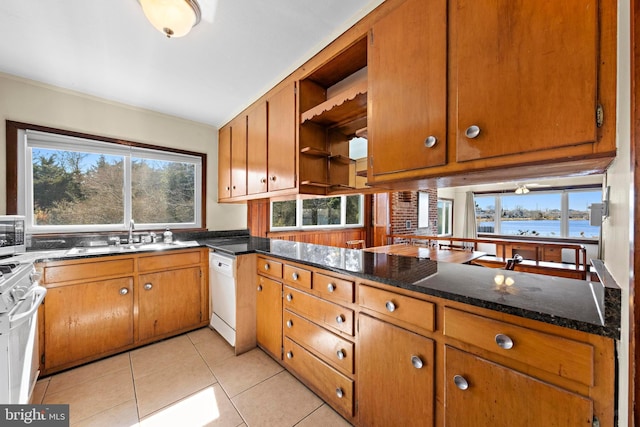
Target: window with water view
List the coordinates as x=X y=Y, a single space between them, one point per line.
x=556 y=214
x=339 y=211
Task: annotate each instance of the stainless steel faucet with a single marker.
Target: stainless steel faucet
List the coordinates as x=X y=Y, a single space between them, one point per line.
x=132 y=225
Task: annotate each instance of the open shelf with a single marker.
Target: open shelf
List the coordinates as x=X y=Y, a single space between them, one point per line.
x=315 y=152
x=341 y=159
x=316 y=184
x=344 y=107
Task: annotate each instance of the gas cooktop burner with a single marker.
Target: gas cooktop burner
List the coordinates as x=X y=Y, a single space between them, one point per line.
x=8 y=267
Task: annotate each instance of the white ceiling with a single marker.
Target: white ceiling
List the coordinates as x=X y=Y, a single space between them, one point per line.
x=107 y=48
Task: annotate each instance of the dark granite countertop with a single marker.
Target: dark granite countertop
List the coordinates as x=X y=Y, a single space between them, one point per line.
x=571 y=303
x=577 y=304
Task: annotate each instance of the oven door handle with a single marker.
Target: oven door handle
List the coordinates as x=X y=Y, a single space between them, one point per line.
x=40 y=294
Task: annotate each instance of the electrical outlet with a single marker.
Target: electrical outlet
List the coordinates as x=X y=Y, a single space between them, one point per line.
x=407 y=224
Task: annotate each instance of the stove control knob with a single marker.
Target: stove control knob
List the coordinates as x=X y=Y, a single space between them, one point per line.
x=18 y=292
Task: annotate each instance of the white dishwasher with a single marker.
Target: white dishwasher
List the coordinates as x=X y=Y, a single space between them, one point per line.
x=222 y=291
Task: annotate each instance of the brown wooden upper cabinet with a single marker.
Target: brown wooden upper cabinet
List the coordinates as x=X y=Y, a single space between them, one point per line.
x=257 y=149
x=224 y=163
x=526 y=75
x=281 y=139
x=407 y=112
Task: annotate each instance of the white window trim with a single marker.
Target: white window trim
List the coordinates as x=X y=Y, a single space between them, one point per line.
x=29 y=138
x=299 y=226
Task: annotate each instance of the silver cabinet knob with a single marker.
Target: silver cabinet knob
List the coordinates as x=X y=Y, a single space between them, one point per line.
x=391 y=307
x=267 y=267
x=331 y=287
x=272 y=178
x=289 y=297
x=263 y=180
x=148 y=286
x=124 y=291
x=339 y=393
x=340 y=354
x=234 y=187
x=339 y=319
x=289 y=354
x=259 y=288
x=295 y=276
x=228 y=188
x=504 y=341
x=430 y=141
x=472 y=132
x=417 y=362
x=460 y=382
x=289 y=323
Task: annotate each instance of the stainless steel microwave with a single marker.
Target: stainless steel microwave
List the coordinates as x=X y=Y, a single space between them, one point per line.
x=11 y=234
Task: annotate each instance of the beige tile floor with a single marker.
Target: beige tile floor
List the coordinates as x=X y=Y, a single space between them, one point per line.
x=190 y=380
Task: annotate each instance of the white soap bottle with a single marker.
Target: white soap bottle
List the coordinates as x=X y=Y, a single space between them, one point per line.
x=168 y=236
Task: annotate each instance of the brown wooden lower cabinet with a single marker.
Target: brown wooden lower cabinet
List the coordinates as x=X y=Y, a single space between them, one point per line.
x=483 y=393
x=269 y=316
x=396 y=370
x=87 y=319
x=400 y=358
x=96 y=307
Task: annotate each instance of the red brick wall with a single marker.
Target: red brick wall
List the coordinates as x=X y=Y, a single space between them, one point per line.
x=404 y=213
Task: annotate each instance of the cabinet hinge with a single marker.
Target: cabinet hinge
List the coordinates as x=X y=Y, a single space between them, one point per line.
x=599 y=116
x=42 y=360
x=281 y=352
x=370 y=161
x=295 y=90
x=596 y=422
x=282 y=292
x=371 y=37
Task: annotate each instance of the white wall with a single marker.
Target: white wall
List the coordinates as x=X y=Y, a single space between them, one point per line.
x=26 y=101
x=618 y=228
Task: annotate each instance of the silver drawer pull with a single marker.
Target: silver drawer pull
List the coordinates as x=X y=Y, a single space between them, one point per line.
x=295 y=276
x=148 y=286
x=504 y=341
x=289 y=324
x=289 y=354
x=460 y=382
x=259 y=288
x=340 y=354
x=289 y=297
x=472 y=132
x=267 y=267
x=417 y=362
x=391 y=307
x=339 y=393
x=331 y=287
x=124 y=291
x=339 y=319
x=430 y=141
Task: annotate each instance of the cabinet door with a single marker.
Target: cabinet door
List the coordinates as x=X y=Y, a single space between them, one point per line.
x=168 y=301
x=526 y=75
x=282 y=139
x=87 y=320
x=239 y=156
x=224 y=163
x=257 y=150
x=395 y=375
x=482 y=393
x=407 y=88
x=269 y=316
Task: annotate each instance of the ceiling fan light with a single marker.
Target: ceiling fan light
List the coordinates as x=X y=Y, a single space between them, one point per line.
x=173 y=18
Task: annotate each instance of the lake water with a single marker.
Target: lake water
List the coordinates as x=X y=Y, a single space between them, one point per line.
x=544 y=228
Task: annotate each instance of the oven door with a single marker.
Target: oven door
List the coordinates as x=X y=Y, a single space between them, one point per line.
x=23 y=346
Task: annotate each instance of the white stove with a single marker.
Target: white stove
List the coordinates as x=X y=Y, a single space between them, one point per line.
x=20 y=297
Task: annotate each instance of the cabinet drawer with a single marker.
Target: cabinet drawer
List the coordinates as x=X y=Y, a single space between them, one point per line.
x=333 y=288
x=269 y=267
x=406 y=309
x=319 y=311
x=90 y=270
x=552 y=254
x=298 y=277
x=169 y=260
x=561 y=356
x=329 y=347
x=333 y=387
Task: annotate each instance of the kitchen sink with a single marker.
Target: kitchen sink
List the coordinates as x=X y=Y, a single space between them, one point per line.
x=127 y=248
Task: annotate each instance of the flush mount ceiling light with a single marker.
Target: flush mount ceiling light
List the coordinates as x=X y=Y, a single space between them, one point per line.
x=522 y=189
x=173 y=18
